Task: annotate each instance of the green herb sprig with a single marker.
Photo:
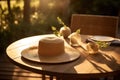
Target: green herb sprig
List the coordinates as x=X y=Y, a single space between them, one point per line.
x=78 y=31
x=102 y=44
x=61 y=22
x=55 y=31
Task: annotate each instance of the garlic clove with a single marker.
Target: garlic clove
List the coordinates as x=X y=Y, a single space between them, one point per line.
x=74 y=38
x=92 y=48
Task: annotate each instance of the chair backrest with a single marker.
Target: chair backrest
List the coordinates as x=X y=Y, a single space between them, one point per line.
x=95 y=24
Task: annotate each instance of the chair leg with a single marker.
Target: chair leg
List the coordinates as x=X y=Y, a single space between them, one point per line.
x=58 y=78
x=51 y=77
x=43 y=77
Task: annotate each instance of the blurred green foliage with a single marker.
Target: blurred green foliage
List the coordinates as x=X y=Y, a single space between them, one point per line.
x=99 y=7
x=41 y=22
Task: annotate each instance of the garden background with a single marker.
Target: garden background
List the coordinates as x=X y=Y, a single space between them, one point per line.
x=23 y=18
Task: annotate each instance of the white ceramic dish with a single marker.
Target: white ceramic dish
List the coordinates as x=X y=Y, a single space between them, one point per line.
x=102 y=38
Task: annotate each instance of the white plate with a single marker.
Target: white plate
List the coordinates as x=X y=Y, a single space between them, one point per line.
x=102 y=38
x=31 y=54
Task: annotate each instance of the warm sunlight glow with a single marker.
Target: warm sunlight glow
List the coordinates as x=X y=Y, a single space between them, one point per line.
x=3 y=4
x=3 y=22
x=35 y=15
x=35 y=3
x=5 y=27
x=15 y=22
x=51 y=5
x=13 y=4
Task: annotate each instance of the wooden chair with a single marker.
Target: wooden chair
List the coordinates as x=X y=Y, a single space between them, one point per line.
x=95 y=24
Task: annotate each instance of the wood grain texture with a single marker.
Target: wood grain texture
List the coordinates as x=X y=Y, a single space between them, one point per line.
x=95 y=24
x=105 y=63
x=9 y=71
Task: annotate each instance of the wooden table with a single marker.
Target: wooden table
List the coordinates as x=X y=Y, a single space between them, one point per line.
x=105 y=63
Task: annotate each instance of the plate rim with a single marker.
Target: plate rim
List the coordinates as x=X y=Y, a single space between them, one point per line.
x=111 y=38
x=59 y=62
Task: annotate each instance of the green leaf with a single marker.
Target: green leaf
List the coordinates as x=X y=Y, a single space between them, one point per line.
x=78 y=31
x=60 y=21
x=55 y=31
x=53 y=28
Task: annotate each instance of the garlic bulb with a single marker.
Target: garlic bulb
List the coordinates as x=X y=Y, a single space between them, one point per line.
x=92 y=47
x=75 y=38
x=65 y=31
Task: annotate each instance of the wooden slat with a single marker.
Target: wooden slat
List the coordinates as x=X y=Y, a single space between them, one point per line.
x=9 y=71
x=95 y=24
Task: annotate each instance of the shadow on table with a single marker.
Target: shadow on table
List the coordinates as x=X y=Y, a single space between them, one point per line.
x=109 y=63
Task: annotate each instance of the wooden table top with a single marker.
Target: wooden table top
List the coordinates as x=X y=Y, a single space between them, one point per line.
x=105 y=63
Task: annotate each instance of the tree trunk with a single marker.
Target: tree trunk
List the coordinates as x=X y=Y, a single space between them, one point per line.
x=119 y=23
x=10 y=15
x=26 y=12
